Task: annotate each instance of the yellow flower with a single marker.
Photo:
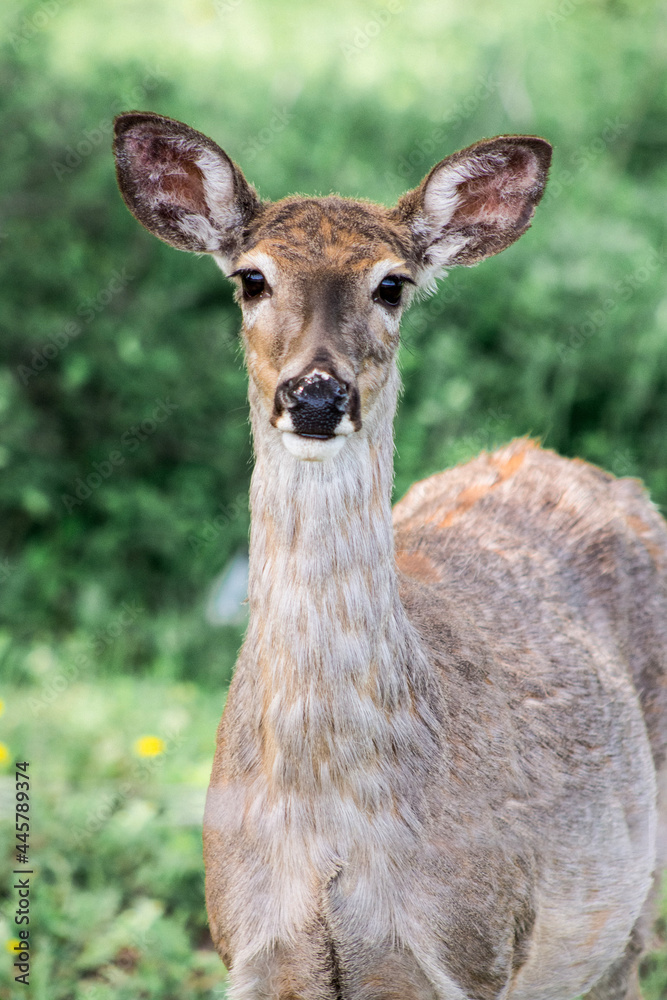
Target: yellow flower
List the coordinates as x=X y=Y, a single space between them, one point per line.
x=4 y=753
x=12 y=944
x=149 y=746
x=2 y=706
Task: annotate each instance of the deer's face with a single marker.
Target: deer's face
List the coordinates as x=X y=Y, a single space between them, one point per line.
x=322 y=286
x=322 y=282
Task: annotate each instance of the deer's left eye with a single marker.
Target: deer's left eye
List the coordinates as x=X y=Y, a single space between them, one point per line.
x=389 y=291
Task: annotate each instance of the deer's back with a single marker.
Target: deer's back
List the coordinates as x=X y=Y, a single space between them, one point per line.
x=539 y=585
x=543 y=553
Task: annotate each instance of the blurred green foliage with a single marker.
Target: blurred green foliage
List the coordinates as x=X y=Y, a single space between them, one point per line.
x=564 y=336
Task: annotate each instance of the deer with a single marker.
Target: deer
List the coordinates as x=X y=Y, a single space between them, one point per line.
x=440 y=770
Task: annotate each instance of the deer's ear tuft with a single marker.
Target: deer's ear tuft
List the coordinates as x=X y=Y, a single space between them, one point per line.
x=180 y=185
x=475 y=202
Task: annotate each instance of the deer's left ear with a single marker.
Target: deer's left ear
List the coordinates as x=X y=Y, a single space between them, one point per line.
x=476 y=202
x=181 y=186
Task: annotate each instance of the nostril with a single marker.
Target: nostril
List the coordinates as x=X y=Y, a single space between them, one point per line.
x=341 y=401
x=286 y=395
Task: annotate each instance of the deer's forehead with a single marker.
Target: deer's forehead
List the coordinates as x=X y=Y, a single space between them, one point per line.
x=328 y=235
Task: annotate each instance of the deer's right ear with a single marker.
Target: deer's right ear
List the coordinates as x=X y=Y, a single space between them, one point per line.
x=475 y=203
x=181 y=186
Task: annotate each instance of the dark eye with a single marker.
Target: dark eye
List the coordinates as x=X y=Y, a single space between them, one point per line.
x=253 y=283
x=389 y=291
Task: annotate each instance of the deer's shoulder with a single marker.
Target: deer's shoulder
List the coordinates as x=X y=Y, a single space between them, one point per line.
x=525 y=502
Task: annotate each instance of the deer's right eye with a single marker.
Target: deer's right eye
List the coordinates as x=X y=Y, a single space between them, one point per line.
x=253 y=283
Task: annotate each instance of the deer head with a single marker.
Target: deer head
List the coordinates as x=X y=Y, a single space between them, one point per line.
x=322 y=282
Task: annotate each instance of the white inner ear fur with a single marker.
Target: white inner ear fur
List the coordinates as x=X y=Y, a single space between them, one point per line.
x=443 y=196
x=441 y=199
x=218 y=185
x=438 y=258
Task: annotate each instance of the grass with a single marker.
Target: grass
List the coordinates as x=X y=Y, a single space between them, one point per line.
x=119 y=769
x=118 y=777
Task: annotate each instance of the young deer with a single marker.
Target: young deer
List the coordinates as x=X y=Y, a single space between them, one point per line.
x=436 y=773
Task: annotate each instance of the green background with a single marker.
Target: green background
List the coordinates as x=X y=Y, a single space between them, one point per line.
x=564 y=336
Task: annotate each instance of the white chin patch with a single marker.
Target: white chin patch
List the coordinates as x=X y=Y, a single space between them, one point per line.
x=311 y=449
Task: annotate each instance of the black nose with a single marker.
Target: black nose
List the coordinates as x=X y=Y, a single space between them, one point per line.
x=315 y=403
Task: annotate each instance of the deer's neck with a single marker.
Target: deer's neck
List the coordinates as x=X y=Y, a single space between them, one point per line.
x=328 y=636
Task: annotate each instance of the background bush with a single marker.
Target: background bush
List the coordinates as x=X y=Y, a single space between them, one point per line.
x=563 y=336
